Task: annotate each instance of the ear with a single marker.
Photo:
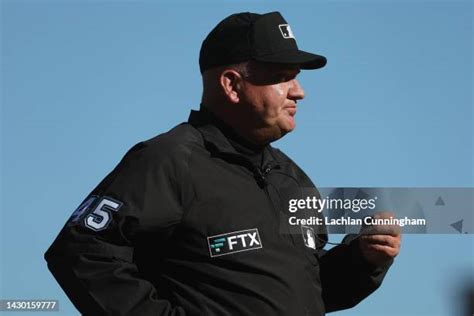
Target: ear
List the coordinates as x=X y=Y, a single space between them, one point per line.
x=231 y=82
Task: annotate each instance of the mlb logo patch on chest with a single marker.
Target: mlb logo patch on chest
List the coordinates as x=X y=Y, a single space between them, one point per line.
x=226 y=244
x=308 y=237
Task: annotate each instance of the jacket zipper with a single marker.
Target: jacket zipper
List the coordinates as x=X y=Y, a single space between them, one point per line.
x=263 y=174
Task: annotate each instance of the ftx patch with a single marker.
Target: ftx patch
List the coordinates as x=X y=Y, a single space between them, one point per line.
x=226 y=244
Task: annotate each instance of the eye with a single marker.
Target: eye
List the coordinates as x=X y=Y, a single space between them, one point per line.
x=284 y=77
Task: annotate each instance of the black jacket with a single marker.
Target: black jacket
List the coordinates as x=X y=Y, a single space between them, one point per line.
x=185 y=225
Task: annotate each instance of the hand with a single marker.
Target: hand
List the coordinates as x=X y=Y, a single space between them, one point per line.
x=380 y=243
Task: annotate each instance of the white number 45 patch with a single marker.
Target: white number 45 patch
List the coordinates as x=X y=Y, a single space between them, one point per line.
x=101 y=216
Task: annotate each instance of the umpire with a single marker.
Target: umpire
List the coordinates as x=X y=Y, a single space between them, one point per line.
x=191 y=222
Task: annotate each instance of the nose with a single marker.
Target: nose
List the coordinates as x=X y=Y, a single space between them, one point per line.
x=295 y=92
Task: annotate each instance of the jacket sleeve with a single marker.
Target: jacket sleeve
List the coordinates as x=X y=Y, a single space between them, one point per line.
x=346 y=277
x=92 y=257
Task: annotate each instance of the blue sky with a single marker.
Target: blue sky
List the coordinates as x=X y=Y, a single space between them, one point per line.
x=82 y=81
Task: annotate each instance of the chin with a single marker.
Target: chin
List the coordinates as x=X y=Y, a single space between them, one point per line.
x=289 y=123
x=285 y=131
x=290 y=126
x=277 y=131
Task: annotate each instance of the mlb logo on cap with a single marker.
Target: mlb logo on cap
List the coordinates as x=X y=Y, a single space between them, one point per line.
x=285 y=30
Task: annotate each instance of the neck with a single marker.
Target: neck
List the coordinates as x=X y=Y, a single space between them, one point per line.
x=233 y=131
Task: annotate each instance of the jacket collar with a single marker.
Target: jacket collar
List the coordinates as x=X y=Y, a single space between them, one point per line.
x=204 y=122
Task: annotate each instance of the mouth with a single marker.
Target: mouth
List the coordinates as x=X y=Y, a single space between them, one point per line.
x=291 y=110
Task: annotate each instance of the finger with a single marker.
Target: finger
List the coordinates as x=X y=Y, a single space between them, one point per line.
x=386 y=250
x=386 y=240
x=374 y=225
x=381 y=215
x=393 y=230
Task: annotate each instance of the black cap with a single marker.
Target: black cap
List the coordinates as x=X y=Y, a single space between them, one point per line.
x=250 y=36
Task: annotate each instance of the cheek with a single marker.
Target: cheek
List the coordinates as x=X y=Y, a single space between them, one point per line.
x=275 y=97
x=277 y=100
x=279 y=91
x=269 y=102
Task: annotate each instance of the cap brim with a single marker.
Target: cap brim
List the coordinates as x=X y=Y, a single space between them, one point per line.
x=304 y=59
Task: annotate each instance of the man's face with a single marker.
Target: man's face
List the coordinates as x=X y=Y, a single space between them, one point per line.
x=270 y=93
